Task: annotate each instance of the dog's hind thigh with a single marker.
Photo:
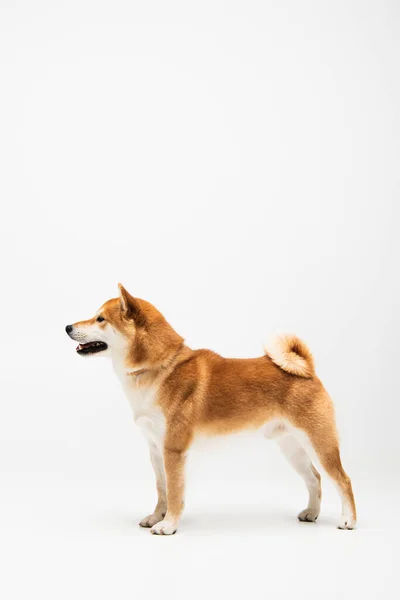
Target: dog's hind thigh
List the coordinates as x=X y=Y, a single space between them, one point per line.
x=298 y=458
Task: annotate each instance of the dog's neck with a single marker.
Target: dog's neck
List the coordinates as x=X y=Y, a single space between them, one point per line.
x=136 y=372
x=119 y=360
x=148 y=375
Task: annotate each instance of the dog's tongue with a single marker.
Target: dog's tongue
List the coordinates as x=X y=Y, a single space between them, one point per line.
x=82 y=346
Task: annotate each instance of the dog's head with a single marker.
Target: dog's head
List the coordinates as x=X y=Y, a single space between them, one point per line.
x=128 y=326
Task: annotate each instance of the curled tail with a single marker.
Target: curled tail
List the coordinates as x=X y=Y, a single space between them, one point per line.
x=291 y=355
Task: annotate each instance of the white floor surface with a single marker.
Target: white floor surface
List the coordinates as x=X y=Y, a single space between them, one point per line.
x=72 y=539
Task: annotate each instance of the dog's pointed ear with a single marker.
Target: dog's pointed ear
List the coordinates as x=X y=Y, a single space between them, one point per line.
x=124 y=298
x=130 y=306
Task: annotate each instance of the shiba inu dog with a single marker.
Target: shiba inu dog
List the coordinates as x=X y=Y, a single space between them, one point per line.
x=177 y=394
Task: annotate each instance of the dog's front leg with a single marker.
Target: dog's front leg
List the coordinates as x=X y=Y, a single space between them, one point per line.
x=161 y=507
x=174 y=461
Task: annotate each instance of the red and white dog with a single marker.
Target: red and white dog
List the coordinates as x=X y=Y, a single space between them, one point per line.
x=177 y=393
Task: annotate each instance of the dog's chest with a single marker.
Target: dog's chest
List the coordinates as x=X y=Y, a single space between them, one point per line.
x=146 y=413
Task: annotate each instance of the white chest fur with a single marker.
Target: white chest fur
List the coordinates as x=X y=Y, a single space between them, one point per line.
x=146 y=413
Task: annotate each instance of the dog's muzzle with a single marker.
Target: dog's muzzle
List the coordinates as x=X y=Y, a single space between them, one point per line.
x=88 y=348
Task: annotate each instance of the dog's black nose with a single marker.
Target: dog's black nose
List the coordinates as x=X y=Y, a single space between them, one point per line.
x=68 y=328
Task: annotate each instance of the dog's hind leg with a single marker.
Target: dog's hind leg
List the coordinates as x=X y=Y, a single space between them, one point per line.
x=326 y=446
x=320 y=436
x=300 y=461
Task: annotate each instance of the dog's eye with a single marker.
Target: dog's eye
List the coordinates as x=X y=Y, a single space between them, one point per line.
x=100 y=319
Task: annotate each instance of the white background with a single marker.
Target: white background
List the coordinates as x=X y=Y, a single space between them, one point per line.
x=236 y=164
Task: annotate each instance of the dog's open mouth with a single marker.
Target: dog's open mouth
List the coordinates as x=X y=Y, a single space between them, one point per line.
x=91 y=347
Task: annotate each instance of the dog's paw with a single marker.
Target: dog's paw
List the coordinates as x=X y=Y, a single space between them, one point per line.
x=308 y=514
x=346 y=522
x=165 y=527
x=151 y=520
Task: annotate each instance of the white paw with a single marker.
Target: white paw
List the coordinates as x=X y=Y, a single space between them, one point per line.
x=308 y=514
x=346 y=522
x=151 y=520
x=164 y=527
